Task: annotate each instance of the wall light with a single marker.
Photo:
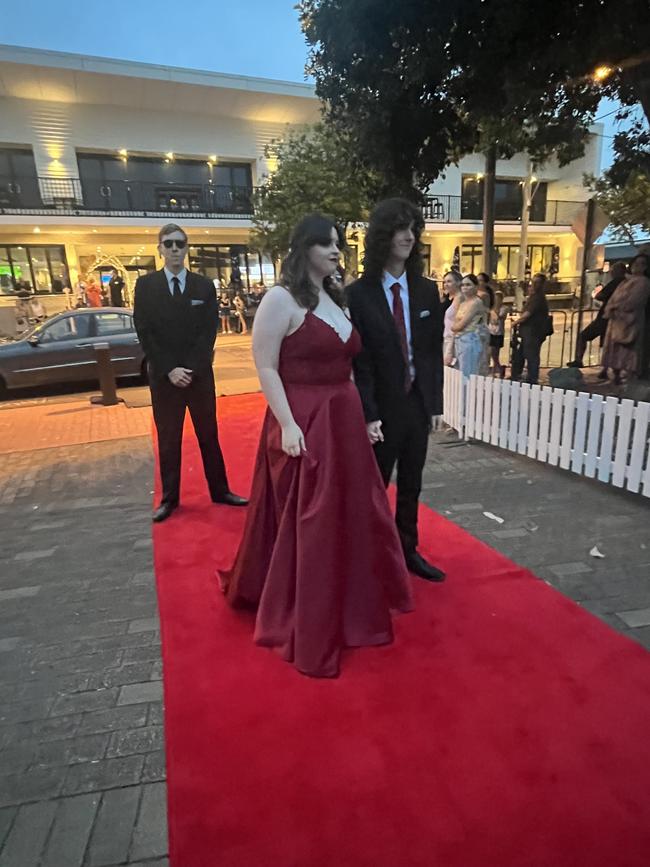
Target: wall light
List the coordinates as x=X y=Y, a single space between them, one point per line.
x=123 y=152
x=37 y=231
x=213 y=158
x=170 y=155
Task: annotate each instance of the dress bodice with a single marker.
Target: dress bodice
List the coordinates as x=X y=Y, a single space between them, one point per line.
x=314 y=354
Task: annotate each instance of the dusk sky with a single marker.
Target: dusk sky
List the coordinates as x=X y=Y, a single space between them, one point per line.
x=247 y=37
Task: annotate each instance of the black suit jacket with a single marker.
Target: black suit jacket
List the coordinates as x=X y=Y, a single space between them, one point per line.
x=176 y=333
x=379 y=368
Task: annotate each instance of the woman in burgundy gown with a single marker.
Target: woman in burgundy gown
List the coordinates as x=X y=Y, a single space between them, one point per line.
x=320 y=559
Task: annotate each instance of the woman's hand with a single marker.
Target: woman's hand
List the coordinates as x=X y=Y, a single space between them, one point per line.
x=293 y=440
x=375 y=434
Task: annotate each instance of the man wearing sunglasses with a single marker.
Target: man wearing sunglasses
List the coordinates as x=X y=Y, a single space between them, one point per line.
x=175 y=314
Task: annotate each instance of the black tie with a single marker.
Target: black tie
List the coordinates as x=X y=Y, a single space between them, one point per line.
x=177 y=289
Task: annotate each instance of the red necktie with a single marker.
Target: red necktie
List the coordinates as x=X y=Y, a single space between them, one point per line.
x=400 y=323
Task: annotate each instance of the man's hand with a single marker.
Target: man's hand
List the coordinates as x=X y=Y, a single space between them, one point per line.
x=374 y=432
x=181 y=377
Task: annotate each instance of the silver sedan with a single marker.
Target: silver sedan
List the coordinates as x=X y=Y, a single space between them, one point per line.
x=62 y=350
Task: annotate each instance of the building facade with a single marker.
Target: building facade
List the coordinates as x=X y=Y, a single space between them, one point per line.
x=96 y=155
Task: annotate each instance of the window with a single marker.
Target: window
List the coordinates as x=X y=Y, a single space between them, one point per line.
x=507 y=200
x=44 y=269
x=150 y=183
x=539 y=258
x=18 y=179
x=113 y=323
x=65 y=329
x=471 y=258
x=234 y=262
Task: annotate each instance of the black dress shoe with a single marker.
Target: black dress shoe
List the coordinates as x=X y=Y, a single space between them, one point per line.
x=230 y=499
x=416 y=564
x=163 y=512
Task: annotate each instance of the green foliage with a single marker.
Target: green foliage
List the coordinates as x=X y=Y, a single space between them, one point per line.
x=422 y=82
x=623 y=191
x=315 y=171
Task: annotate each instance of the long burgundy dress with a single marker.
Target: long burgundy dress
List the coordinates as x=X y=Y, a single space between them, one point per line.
x=320 y=558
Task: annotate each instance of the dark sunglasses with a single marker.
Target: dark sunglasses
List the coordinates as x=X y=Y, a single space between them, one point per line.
x=170 y=243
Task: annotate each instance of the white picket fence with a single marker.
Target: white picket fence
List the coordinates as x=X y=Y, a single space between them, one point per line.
x=602 y=438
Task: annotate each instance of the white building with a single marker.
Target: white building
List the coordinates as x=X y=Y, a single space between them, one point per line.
x=95 y=155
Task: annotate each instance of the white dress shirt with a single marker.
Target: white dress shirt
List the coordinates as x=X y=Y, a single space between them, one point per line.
x=387 y=281
x=182 y=276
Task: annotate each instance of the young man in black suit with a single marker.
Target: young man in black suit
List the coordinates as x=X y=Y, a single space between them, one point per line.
x=175 y=314
x=399 y=372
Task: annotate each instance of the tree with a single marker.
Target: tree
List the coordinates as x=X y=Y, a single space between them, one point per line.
x=623 y=192
x=315 y=171
x=419 y=83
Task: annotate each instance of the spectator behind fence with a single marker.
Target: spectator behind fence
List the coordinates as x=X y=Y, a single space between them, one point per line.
x=626 y=312
x=485 y=290
x=468 y=326
x=533 y=327
x=598 y=326
x=496 y=327
x=451 y=285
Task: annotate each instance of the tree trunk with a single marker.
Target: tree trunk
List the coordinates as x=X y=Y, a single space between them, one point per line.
x=526 y=200
x=489 y=183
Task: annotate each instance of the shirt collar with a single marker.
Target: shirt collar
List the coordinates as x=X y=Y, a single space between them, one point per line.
x=388 y=281
x=182 y=275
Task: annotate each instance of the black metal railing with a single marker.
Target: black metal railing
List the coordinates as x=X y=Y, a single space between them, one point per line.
x=456 y=209
x=72 y=196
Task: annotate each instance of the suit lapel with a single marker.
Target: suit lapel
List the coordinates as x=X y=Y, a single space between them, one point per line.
x=163 y=287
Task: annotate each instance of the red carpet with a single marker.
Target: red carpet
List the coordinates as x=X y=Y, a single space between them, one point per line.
x=504 y=728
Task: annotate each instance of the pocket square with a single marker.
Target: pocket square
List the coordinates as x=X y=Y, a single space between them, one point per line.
x=196 y=302
x=424 y=314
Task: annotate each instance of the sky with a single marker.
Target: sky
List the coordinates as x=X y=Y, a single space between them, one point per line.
x=247 y=37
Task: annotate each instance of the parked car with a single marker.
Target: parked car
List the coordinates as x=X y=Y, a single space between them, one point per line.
x=62 y=349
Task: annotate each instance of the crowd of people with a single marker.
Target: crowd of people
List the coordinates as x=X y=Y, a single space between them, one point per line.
x=475 y=317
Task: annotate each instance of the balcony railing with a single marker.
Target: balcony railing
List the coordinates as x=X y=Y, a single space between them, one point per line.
x=456 y=209
x=74 y=197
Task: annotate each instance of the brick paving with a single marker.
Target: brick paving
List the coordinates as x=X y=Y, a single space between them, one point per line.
x=82 y=767
x=552 y=520
x=46 y=425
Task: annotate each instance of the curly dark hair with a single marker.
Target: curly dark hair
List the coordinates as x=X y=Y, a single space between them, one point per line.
x=312 y=230
x=388 y=217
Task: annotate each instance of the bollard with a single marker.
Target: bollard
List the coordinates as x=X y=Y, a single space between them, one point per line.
x=106 y=376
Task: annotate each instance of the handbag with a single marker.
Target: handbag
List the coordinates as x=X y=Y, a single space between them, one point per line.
x=549 y=329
